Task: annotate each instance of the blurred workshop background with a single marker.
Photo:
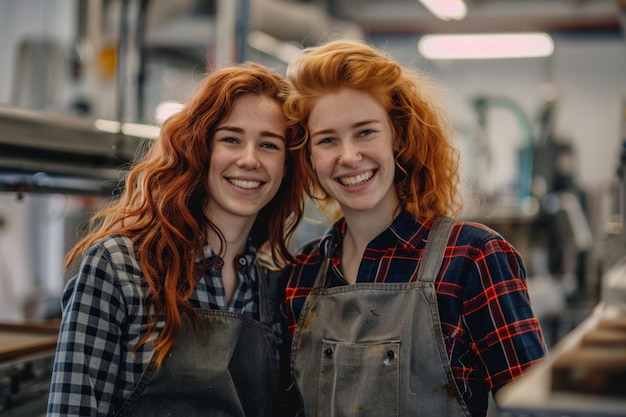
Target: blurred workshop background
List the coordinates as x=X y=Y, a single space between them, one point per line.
x=538 y=98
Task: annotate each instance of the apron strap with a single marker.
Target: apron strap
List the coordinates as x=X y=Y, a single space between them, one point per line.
x=265 y=309
x=435 y=249
x=321 y=274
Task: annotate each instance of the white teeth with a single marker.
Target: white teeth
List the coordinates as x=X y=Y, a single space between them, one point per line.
x=356 y=180
x=245 y=183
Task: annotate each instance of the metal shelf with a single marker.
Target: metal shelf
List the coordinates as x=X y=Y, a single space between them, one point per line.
x=46 y=152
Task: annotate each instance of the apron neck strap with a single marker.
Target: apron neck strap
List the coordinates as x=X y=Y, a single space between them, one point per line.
x=435 y=249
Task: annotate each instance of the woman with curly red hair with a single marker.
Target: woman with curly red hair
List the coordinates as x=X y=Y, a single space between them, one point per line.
x=398 y=309
x=169 y=313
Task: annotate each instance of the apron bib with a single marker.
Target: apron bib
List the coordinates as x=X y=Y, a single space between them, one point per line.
x=376 y=349
x=227 y=369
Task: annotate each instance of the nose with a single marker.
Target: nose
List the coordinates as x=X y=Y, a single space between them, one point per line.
x=349 y=154
x=248 y=158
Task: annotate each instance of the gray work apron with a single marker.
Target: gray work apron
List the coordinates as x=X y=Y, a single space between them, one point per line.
x=376 y=349
x=227 y=369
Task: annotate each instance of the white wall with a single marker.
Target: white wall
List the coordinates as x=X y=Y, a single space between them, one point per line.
x=31 y=19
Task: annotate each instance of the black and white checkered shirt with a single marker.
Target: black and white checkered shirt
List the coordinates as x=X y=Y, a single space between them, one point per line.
x=103 y=319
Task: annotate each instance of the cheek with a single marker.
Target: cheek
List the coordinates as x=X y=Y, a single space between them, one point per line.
x=214 y=164
x=277 y=167
x=320 y=159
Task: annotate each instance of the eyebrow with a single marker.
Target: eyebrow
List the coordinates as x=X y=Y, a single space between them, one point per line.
x=356 y=125
x=265 y=133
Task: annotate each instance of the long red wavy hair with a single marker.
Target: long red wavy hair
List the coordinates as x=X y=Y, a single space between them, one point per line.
x=426 y=160
x=161 y=207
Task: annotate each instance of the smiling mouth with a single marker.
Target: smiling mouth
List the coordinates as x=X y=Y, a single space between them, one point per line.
x=247 y=184
x=357 y=179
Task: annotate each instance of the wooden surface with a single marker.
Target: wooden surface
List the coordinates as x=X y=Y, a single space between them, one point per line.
x=17 y=340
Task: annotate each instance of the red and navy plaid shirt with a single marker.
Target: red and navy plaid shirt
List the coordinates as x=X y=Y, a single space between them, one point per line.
x=490 y=332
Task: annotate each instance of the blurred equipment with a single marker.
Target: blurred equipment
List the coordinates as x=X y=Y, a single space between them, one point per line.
x=26 y=360
x=522 y=191
x=543 y=214
x=44 y=152
x=585 y=373
x=446 y=9
x=569 y=236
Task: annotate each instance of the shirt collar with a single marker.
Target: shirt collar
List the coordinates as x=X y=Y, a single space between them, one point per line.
x=405 y=228
x=245 y=260
x=409 y=231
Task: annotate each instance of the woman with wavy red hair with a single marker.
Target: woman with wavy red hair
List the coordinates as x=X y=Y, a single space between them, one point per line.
x=398 y=309
x=169 y=313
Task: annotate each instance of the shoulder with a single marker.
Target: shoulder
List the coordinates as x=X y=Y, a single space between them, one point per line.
x=477 y=237
x=476 y=233
x=106 y=267
x=113 y=255
x=474 y=248
x=115 y=249
x=310 y=251
x=308 y=256
x=478 y=258
x=463 y=233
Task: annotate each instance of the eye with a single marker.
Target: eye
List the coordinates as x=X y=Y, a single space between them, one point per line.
x=270 y=145
x=366 y=132
x=228 y=139
x=324 y=140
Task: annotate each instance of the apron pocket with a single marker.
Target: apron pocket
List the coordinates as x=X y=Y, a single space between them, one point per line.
x=359 y=379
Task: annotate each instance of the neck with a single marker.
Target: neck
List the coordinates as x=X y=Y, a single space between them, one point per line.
x=362 y=228
x=235 y=233
x=360 y=231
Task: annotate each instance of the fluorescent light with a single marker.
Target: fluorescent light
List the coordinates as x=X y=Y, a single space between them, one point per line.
x=486 y=46
x=140 y=130
x=165 y=109
x=130 y=129
x=446 y=9
x=109 y=126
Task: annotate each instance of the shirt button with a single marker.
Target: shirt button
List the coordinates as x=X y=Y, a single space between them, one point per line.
x=390 y=354
x=242 y=261
x=329 y=352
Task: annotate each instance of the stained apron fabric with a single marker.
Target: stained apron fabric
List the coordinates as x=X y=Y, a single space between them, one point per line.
x=376 y=349
x=227 y=369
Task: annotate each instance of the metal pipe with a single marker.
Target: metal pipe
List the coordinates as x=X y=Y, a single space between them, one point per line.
x=121 y=61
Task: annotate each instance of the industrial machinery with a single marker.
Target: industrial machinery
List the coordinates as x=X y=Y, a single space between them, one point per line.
x=26 y=358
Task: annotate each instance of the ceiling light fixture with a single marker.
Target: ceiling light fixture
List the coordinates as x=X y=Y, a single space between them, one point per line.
x=446 y=9
x=486 y=46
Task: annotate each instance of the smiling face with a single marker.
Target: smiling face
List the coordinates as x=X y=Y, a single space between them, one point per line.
x=248 y=159
x=351 y=147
